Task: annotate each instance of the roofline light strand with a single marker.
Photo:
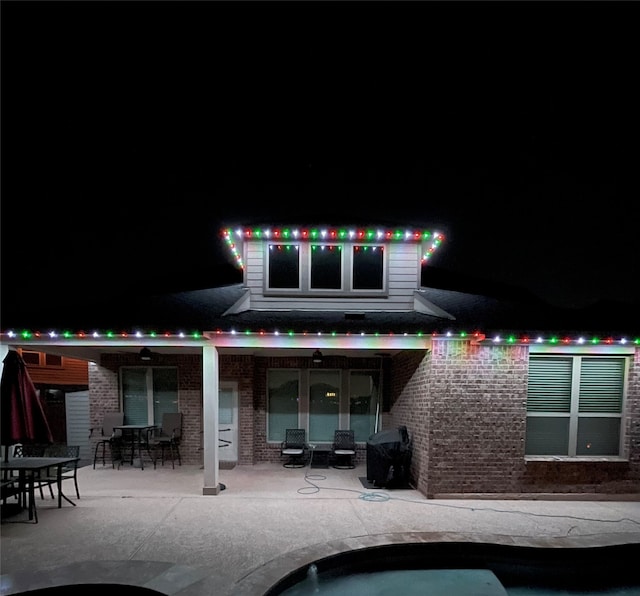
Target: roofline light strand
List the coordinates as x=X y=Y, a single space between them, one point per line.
x=479 y=336
x=358 y=234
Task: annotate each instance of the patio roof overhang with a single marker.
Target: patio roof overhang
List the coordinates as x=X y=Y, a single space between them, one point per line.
x=89 y=346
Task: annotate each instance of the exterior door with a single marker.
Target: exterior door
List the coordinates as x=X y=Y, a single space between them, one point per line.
x=228 y=421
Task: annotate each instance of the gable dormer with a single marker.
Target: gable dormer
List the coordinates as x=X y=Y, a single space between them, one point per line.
x=345 y=268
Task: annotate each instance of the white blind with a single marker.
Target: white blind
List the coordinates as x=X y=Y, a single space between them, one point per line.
x=549 y=388
x=601 y=385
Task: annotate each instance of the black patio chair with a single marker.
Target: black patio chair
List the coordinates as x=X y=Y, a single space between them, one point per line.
x=294 y=448
x=32 y=450
x=167 y=437
x=69 y=471
x=110 y=438
x=344 y=449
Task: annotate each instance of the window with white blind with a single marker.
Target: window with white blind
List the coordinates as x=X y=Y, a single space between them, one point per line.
x=148 y=392
x=574 y=405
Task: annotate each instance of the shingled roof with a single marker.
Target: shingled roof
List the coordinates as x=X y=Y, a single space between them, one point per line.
x=204 y=310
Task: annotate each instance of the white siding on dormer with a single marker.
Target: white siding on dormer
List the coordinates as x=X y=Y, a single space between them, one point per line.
x=403 y=279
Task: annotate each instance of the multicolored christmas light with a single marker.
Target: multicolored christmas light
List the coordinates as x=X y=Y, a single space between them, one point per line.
x=328 y=234
x=27 y=335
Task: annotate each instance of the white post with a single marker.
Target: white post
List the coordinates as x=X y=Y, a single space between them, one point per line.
x=210 y=398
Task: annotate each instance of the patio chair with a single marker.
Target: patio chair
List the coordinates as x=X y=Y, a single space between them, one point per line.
x=111 y=438
x=167 y=437
x=294 y=448
x=32 y=450
x=10 y=487
x=344 y=449
x=69 y=471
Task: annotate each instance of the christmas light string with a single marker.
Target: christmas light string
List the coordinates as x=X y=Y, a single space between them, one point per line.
x=27 y=335
x=320 y=234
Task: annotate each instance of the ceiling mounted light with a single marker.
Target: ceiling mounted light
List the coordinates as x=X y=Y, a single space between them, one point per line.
x=317 y=357
x=145 y=354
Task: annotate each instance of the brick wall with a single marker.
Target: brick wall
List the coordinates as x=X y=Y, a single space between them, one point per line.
x=410 y=406
x=478 y=409
x=465 y=408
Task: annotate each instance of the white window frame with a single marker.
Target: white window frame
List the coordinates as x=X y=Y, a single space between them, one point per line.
x=385 y=269
x=301 y=273
x=309 y=269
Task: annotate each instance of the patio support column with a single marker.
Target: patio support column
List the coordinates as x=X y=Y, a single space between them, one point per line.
x=210 y=398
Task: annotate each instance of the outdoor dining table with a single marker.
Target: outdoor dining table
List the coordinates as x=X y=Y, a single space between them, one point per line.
x=136 y=432
x=28 y=469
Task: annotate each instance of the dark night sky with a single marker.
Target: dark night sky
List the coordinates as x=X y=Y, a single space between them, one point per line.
x=132 y=131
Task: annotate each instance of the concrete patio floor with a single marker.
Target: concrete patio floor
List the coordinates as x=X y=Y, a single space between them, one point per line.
x=154 y=528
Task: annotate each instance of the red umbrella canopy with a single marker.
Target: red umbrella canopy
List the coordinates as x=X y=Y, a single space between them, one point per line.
x=23 y=418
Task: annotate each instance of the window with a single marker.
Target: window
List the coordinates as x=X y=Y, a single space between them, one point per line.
x=148 y=392
x=324 y=404
x=364 y=403
x=284 y=266
x=52 y=360
x=283 y=397
x=368 y=267
x=574 y=405
x=32 y=358
x=322 y=401
x=326 y=267
x=41 y=359
x=323 y=267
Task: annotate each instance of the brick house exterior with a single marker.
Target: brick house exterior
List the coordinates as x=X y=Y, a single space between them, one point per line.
x=458 y=448
x=461 y=395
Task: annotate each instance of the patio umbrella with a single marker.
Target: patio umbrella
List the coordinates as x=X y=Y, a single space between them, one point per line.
x=23 y=418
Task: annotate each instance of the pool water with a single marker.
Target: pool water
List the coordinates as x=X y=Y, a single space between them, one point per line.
x=469 y=569
x=436 y=582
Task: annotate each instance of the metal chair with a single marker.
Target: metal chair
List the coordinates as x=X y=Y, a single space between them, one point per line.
x=167 y=437
x=69 y=471
x=344 y=449
x=294 y=448
x=110 y=438
x=32 y=450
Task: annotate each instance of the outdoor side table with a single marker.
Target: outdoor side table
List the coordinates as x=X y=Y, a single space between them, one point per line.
x=320 y=457
x=136 y=432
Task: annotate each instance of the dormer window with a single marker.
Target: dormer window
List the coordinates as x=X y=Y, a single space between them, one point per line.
x=368 y=267
x=284 y=266
x=325 y=268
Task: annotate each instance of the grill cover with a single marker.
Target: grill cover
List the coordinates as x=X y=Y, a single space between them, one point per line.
x=389 y=457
